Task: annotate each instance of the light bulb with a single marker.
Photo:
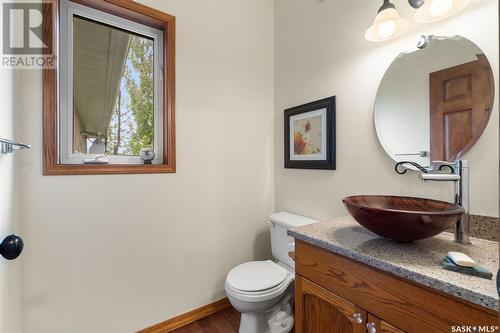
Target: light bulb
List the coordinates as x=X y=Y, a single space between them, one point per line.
x=387 y=24
x=386 y=28
x=439 y=8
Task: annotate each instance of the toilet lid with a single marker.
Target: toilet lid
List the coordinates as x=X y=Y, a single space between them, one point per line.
x=256 y=276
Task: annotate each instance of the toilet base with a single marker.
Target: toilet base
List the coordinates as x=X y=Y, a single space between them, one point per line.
x=277 y=320
x=251 y=322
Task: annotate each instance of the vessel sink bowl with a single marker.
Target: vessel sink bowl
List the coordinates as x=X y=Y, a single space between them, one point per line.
x=403 y=219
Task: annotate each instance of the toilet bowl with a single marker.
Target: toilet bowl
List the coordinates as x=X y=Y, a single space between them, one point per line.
x=262 y=291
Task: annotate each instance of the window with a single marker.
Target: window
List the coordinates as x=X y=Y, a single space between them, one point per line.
x=115 y=92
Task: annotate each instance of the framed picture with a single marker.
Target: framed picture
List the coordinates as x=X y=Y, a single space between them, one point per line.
x=310 y=135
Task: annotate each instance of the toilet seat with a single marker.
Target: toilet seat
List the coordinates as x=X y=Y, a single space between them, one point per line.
x=256 y=276
x=258 y=281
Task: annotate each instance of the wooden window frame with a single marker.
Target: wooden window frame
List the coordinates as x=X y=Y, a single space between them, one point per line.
x=133 y=11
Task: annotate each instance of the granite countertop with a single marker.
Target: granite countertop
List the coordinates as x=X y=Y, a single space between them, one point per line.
x=419 y=261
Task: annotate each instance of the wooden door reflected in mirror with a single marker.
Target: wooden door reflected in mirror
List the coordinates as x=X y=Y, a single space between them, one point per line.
x=461 y=99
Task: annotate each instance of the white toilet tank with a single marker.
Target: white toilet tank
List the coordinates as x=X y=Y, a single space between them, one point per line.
x=281 y=243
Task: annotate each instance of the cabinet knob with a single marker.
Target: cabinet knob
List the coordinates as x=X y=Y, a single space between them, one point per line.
x=358 y=318
x=371 y=328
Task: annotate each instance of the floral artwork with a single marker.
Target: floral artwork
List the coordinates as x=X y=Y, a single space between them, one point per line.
x=310 y=135
x=307 y=134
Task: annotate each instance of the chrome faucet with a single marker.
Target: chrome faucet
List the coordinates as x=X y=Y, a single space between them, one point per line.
x=460 y=175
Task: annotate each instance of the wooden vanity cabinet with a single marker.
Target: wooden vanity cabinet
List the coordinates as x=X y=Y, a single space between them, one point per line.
x=334 y=294
x=319 y=310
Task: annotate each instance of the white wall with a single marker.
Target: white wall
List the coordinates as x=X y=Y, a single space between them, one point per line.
x=119 y=253
x=321 y=51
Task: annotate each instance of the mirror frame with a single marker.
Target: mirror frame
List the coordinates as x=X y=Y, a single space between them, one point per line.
x=131 y=11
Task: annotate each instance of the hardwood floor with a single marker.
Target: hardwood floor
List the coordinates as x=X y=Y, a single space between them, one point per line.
x=225 y=321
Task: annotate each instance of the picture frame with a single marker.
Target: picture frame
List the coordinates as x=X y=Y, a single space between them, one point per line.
x=310 y=132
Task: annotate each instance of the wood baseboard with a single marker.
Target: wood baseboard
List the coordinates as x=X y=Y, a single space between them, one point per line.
x=188 y=318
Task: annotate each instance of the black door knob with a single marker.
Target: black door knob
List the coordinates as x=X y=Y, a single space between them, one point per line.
x=11 y=247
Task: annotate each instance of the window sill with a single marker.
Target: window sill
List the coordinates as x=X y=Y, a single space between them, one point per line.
x=106 y=169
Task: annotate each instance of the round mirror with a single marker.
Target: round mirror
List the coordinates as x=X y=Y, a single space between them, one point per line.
x=433 y=104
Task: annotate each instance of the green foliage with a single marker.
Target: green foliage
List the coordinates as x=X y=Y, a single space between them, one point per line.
x=132 y=125
x=141 y=93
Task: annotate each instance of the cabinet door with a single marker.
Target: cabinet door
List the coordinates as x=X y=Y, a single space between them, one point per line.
x=317 y=310
x=377 y=325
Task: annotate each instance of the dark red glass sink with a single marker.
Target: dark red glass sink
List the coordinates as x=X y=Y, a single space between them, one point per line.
x=403 y=219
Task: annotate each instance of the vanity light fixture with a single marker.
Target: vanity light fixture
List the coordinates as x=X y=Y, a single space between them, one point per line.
x=434 y=10
x=387 y=25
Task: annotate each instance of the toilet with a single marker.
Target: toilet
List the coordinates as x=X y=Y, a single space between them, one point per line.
x=262 y=291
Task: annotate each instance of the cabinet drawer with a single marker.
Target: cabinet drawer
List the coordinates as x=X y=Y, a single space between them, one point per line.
x=406 y=305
